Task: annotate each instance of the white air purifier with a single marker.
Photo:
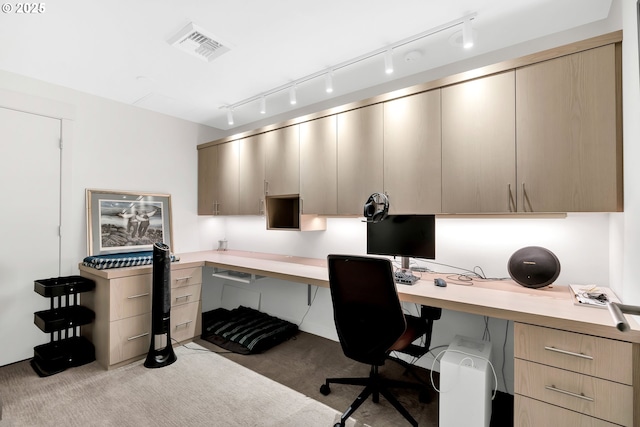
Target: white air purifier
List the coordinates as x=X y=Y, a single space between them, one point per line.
x=466 y=382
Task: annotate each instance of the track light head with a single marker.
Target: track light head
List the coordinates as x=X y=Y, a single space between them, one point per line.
x=467 y=34
x=328 y=82
x=292 y=95
x=229 y=116
x=263 y=105
x=388 y=61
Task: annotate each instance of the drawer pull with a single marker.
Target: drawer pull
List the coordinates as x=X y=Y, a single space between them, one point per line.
x=568 y=393
x=184 y=296
x=183 y=323
x=138 y=296
x=184 y=279
x=570 y=353
x=137 y=336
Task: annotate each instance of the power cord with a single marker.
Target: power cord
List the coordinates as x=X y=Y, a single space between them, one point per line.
x=308 y=308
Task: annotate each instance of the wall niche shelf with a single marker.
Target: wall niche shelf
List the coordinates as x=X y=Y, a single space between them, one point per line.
x=284 y=213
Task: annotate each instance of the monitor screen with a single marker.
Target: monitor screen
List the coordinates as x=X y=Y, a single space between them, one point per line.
x=403 y=235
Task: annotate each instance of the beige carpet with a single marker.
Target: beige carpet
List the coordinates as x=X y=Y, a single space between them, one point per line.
x=199 y=389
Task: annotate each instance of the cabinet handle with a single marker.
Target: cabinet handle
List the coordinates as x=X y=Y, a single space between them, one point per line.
x=138 y=296
x=525 y=200
x=137 y=336
x=183 y=324
x=570 y=353
x=184 y=296
x=510 y=202
x=266 y=187
x=568 y=393
x=301 y=205
x=261 y=207
x=185 y=279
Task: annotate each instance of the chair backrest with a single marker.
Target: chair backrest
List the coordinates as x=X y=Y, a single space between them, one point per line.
x=366 y=308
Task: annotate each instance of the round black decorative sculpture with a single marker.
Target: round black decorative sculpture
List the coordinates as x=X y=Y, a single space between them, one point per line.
x=534 y=267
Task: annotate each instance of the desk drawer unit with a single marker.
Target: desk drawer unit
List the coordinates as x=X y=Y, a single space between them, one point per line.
x=129 y=338
x=534 y=413
x=586 y=354
x=130 y=296
x=606 y=400
x=184 y=319
x=123 y=304
x=185 y=277
x=185 y=295
x=588 y=379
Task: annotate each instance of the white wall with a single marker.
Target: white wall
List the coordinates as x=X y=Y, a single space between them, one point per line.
x=114 y=146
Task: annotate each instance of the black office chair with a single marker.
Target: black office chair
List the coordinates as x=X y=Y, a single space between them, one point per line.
x=370 y=324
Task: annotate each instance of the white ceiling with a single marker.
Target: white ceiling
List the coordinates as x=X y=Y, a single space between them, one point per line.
x=118 y=49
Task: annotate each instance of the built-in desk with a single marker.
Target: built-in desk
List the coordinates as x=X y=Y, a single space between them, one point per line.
x=571 y=363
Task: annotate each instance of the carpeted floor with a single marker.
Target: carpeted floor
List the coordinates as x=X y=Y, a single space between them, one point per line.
x=304 y=362
x=199 y=389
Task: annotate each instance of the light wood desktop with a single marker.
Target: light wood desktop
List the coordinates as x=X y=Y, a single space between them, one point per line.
x=571 y=363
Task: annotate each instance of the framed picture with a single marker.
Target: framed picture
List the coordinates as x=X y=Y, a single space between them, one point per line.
x=124 y=221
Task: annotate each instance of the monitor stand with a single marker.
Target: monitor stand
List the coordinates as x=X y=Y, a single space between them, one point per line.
x=404 y=264
x=404 y=275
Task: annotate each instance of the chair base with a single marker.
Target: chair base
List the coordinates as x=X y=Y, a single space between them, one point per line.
x=375 y=386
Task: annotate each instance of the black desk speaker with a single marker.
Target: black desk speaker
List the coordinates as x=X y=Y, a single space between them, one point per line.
x=534 y=267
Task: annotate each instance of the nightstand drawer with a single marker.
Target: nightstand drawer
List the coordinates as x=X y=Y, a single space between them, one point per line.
x=186 y=277
x=185 y=294
x=130 y=296
x=129 y=338
x=184 y=321
x=586 y=354
x=533 y=413
x=591 y=396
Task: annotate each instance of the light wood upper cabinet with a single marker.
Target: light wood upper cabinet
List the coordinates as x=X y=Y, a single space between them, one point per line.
x=568 y=134
x=412 y=153
x=282 y=160
x=360 y=152
x=251 y=176
x=227 y=178
x=478 y=145
x=207 y=180
x=318 y=166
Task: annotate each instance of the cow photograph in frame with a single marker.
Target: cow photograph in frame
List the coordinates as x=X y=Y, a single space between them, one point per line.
x=125 y=221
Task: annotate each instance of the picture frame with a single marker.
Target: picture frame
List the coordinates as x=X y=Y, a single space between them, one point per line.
x=127 y=221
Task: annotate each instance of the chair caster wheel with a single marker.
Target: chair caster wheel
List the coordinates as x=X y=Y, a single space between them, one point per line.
x=338 y=425
x=325 y=390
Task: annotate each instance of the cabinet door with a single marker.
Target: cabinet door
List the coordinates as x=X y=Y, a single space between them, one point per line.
x=359 y=157
x=478 y=145
x=569 y=146
x=207 y=176
x=412 y=153
x=282 y=161
x=318 y=170
x=251 y=177
x=227 y=178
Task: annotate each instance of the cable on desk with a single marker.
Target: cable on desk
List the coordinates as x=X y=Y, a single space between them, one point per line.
x=308 y=308
x=504 y=356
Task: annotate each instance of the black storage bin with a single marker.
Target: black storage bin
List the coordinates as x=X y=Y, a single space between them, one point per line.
x=66 y=349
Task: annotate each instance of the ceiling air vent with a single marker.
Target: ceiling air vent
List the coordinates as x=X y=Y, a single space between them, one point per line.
x=197 y=42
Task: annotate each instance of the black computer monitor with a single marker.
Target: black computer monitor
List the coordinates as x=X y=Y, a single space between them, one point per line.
x=405 y=236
